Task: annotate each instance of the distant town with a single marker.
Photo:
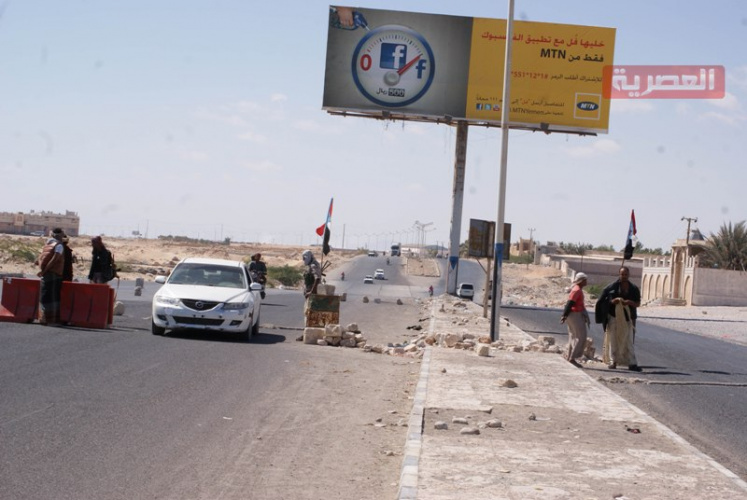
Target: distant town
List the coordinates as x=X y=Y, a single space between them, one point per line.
x=39 y=223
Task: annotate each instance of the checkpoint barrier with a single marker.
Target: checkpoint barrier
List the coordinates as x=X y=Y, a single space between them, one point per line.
x=321 y=310
x=89 y=305
x=20 y=300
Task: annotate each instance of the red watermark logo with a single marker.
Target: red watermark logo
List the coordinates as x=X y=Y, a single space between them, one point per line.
x=663 y=82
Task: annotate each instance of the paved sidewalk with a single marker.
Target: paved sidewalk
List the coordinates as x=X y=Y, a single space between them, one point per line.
x=562 y=434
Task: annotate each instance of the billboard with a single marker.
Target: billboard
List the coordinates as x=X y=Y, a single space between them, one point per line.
x=396 y=64
x=481 y=239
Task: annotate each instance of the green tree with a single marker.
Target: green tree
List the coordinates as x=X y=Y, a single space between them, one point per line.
x=604 y=248
x=286 y=275
x=575 y=248
x=727 y=249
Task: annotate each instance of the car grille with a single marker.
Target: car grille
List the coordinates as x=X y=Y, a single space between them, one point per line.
x=184 y=320
x=199 y=305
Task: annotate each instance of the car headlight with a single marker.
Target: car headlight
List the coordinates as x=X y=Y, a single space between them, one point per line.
x=163 y=299
x=235 y=306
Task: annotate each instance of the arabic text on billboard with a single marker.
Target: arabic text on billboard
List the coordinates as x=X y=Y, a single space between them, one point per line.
x=430 y=65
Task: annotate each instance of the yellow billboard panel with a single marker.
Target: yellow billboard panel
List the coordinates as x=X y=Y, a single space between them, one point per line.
x=556 y=74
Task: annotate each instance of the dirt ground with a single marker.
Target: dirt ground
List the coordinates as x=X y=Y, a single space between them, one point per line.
x=146 y=258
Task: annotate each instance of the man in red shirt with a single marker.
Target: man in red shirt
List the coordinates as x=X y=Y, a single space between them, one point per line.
x=576 y=318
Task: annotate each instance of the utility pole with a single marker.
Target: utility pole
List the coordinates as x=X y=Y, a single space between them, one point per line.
x=687 y=236
x=420 y=226
x=679 y=263
x=531 y=233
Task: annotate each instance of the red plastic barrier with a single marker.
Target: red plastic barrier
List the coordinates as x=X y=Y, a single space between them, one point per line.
x=20 y=300
x=87 y=304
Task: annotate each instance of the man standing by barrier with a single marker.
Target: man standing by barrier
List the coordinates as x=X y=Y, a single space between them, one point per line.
x=69 y=260
x=313 y=275
x=103 y=269
x=51 y=263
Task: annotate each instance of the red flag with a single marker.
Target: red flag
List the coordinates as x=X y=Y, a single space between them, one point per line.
x=324 y=229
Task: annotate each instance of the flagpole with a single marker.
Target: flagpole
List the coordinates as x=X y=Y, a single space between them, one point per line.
x=321 y=258
x=326 y=233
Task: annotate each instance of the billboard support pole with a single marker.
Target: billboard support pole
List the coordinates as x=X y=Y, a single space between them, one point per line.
x=457 y=200
x=487 y=286
x=498 y=254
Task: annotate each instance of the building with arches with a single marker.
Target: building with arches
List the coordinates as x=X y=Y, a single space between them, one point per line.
x=678 y=280
x=674 y=279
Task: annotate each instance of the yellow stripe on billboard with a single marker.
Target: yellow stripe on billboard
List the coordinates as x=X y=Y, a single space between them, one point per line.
x=556 y=74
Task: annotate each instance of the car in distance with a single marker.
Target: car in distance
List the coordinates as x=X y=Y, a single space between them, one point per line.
x=465 y=290
x=372 y=253
x=379 y=274
x=368 y=280
x=207 y=294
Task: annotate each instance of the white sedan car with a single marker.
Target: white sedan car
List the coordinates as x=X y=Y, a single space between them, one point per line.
x=207 y=294
x=368 y=280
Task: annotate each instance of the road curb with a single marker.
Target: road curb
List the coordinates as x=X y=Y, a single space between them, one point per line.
x=408 y=478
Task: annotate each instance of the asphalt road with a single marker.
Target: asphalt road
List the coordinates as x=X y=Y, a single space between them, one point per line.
x=123 y=414
x=697 y=386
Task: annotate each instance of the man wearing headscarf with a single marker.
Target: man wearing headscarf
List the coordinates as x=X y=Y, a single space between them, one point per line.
x=576 y=318
x=51 y=265
x=313 y=275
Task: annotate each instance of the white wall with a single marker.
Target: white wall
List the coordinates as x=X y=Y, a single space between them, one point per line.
x=717 y=287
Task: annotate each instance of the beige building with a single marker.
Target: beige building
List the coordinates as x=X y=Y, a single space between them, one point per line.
x=678 y=280
x=39 y=222
x=523 y=247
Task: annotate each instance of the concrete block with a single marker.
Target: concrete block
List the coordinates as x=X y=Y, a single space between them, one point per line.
x=312 y=334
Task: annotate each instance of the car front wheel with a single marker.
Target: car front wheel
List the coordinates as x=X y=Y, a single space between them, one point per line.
x=155 y=329
x=255 y=327
x=246 y=335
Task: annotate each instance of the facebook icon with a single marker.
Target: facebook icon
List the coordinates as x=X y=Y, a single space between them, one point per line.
x=393 y=55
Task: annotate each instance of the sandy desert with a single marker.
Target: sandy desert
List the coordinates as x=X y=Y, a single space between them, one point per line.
x=523 y=285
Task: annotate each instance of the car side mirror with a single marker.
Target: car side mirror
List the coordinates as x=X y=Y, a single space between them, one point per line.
x=160 y=279
x=255 y=287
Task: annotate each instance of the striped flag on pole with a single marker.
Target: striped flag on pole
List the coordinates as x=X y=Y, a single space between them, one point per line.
x=324 y=229
x=629 y=242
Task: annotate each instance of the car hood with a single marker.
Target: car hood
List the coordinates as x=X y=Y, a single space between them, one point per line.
x=198 y=292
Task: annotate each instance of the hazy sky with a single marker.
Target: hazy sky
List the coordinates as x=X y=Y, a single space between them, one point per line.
x=203 y=118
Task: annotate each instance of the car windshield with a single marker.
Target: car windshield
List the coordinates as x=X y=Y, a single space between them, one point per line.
x=208 y=275
x=467 y=286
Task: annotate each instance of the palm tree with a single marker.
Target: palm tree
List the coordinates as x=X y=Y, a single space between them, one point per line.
x=727 y=249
